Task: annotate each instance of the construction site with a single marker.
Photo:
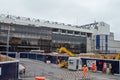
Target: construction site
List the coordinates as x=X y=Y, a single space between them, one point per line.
x=36 y=49
x=69 y=68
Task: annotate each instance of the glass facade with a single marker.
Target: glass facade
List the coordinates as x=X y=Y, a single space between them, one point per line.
x=76 y=44
x=24 y=38
x=30 y=37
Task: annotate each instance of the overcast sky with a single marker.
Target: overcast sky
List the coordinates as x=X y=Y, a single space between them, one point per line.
x=67 y=11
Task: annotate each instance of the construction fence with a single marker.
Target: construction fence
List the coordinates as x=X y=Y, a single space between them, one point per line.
x=77 y=75
x=74 y=75
x=54 y=73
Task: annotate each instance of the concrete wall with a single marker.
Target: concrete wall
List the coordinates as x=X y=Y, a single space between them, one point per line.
x=103 y=28
x=89 y=45
x=114 y=46
x=106 y=44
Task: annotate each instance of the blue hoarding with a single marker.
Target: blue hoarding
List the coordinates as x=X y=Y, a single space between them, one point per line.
x=100 y=63
x=9 y=70
x=97 y=41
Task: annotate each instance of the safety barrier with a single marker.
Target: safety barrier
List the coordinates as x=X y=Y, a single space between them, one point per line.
x=8 y=68
x=68 y=75
x=42 y=57
x=10 y=54
x=40 y=78
x=107 y=68
x=104 y=67
x=101 y=64
x=75 y=75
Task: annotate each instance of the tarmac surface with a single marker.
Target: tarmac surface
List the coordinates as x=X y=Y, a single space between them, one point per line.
x=54 y=72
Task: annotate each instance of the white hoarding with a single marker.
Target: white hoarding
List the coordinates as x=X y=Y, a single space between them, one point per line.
x=0 y=71
x=89 y=62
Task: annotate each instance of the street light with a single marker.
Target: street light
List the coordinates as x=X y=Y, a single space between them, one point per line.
x=8 y=38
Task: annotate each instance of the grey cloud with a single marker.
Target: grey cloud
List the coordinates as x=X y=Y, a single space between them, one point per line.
x=67 y=11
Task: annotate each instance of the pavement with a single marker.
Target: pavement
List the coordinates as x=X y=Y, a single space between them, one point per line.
x=54 y=72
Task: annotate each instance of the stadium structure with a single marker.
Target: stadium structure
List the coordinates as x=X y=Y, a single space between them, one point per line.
x=21 y=34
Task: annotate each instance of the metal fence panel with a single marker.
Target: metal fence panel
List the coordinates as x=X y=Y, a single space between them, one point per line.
x=9 y=71
x=24 y=55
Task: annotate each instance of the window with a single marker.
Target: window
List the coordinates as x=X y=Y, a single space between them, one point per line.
x=76 y=32
x=83 y=33
x=63 y=31
x=89 y=34
x=71 y=62
x=70 y=32
x=55 y=30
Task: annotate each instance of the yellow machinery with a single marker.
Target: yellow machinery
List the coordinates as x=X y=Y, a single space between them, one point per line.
x=63 y=49
x=104 y=56
x=117 y=57
x=109 y=56
x=64 y=63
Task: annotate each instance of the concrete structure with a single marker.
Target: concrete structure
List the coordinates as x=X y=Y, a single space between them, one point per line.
x=27 y=34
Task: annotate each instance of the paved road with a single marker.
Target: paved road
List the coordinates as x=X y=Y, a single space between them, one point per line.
x=53 y=72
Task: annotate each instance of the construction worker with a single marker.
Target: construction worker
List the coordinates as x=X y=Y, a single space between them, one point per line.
x=112 y=69
x=84 y=71
x=93 y=67
x=58 y=60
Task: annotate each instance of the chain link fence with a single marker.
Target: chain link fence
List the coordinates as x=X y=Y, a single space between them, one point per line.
x=51 y=72
x=75 y=75
x=59 y=75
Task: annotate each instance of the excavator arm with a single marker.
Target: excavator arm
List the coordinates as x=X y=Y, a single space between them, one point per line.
x=63 y=49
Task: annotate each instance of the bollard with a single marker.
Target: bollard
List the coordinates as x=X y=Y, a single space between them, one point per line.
x=104 y=68
x=48 y=62
x=40 y=78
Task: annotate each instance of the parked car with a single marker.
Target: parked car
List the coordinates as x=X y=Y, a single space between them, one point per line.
x=22 y=69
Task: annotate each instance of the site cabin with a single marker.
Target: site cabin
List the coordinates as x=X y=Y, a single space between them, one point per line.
x=74 y=63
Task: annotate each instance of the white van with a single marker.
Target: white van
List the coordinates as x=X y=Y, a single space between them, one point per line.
x=74 y=63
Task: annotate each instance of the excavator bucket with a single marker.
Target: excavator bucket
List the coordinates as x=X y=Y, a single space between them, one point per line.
x=63 y=64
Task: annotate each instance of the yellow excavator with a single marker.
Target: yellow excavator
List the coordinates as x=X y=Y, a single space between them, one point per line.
x=63 y=49
x=117 y=57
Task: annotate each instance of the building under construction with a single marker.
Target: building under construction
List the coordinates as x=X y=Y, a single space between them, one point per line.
x=21 y=34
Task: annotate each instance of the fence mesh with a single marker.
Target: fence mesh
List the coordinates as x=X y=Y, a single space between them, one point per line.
x=75 y=75
x=51 y=72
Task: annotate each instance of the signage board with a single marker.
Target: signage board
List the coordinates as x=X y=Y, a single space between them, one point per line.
x=89 y=62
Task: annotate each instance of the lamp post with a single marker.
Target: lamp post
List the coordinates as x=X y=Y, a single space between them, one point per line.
x=8 y=38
